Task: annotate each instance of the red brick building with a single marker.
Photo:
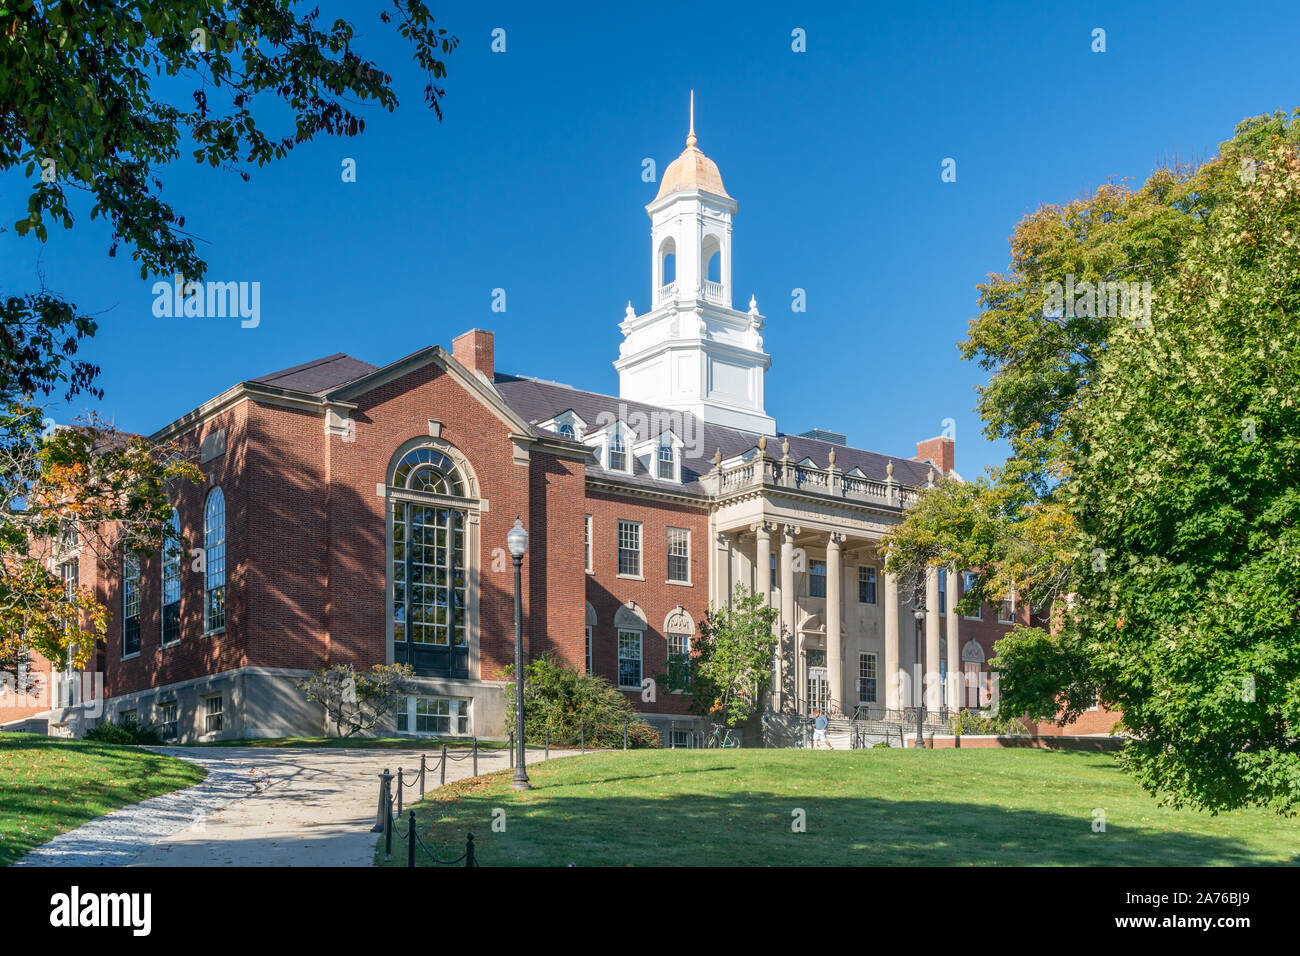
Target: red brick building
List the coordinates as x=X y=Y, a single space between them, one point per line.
x=358 y=514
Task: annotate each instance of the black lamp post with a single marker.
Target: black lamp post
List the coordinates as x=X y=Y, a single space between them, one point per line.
x=517 y=541
x=919 y=615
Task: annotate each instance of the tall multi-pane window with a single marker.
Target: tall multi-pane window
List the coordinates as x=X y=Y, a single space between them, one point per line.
x=867 y=678
x=629 y=548
x=589 y=649
x=967 y=583
x=617 y=452
x=771 y=578
x=679 y=555
x=171 y=583
x=817 y=579
x=866 y=584
x=667 y=461
x=586 y=541
x=428 y=566
x=679 y=660
x=629 y=659
x=130 y=603
x=214 y=544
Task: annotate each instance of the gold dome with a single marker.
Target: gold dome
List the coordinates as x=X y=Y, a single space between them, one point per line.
x=692 y=169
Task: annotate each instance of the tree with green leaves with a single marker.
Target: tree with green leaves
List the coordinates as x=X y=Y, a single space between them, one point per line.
x=730 y=660
x=1151 y=495
x=96 y=99
x=357 y=702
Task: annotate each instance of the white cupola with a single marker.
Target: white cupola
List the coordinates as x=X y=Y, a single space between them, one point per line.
x=692 y=351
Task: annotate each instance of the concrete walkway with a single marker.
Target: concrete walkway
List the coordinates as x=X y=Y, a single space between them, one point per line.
x=258 y=807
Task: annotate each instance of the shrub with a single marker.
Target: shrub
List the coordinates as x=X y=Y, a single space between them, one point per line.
x=127 y=732
x=969 y=722
x=561 y=699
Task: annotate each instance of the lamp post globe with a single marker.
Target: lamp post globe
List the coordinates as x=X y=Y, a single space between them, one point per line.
x=517 y=542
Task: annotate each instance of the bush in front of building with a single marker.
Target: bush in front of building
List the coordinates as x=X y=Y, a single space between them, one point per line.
x=575 y=706
x=126 y=732
x=969 y=722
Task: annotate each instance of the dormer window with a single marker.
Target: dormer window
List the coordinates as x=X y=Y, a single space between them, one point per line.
x=617 y=452
x=566 y=431
x=568 y=425
x=667 y=462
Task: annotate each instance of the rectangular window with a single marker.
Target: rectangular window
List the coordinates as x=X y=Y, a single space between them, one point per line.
x=586 y=541
x=617 y=453
x=1006 y=612
x=629 y=548
x=772 y=575
x=679 y=661
x=213 y=712
x=866 y=584
x=667 y=462
x=967 y=583
x=441 y=715
x=867 y=678
x=588 y=648
x=817 y=579
x=679 y=555
x=943 y=591
x=130 y=604
x=167 y=720
x=130 y=716
x=171 y=593
x=629 y=660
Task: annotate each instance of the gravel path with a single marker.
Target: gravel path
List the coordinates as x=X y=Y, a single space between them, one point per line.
x=257 y=807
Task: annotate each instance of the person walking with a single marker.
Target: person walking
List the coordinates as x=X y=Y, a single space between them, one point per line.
x=820 y=723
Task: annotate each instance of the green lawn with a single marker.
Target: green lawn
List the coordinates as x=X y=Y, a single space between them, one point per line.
x=863 y=807
x=359 y=743
x=49 y=785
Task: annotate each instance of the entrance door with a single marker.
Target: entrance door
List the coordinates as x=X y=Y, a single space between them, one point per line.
x=818 y=682
x=971 y=675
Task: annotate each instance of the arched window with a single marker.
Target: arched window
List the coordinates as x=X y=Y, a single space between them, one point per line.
x=214 y=548
x=667 y=262
x=130 y=603
x=429 y=565
x=566 y=431
x=171 y=583
x=426 y=469
x=667 y=469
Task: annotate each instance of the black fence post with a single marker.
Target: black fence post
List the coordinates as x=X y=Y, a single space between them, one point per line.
x=625 y=735
x=512 y=748
x=476 y=756
x=442 y=766
x=400 y=788
x=422 y=776
x=469 y=850
x=410 y=841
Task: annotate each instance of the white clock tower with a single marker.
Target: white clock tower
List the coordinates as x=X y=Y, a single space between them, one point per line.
x=692 y=351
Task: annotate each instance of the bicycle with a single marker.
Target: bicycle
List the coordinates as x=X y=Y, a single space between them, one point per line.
x=723 y=737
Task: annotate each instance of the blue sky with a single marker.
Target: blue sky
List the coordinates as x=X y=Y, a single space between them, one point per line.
x=532 y=183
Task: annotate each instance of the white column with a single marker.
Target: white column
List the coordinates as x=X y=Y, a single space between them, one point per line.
x=954 y=641
x=763 y=588
x=930 y=673
x=834 y=642
x=788 y=647
x=891 y=643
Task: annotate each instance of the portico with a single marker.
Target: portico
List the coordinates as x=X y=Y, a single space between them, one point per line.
x=807 y=539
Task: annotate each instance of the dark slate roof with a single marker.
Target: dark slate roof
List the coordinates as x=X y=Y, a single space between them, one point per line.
x=538 y=401
x=319 y=376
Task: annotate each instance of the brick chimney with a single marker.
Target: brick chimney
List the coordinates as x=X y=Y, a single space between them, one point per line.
x=941 y=451
x=475 y=351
